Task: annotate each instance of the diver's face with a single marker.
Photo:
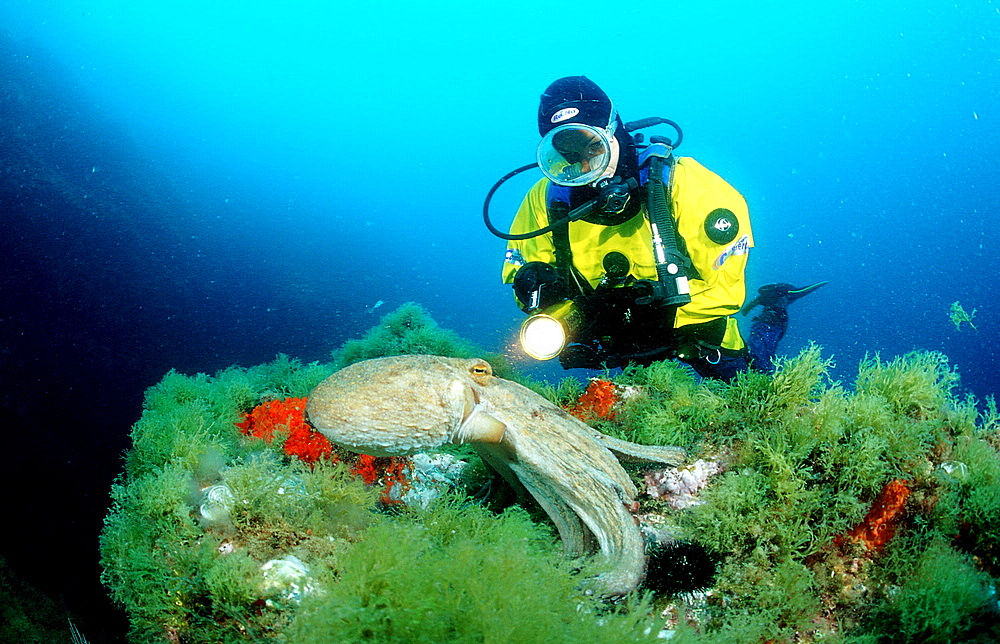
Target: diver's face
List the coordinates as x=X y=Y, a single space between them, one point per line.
x=579 y=146
x=576 y=154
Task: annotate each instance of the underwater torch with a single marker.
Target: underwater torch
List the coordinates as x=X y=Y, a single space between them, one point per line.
x=544 y=335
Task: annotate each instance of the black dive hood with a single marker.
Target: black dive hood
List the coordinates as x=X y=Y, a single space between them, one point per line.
x=605 y=203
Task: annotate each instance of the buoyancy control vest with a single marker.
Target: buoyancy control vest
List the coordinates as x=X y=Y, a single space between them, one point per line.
x=712 y=228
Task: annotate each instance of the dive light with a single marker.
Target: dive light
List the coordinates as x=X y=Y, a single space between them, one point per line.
x=544 y=335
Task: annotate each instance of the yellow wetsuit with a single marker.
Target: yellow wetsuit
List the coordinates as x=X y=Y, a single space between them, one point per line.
x=718 y=291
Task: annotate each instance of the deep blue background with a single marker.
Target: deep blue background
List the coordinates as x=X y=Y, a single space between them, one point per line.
x=192 y=185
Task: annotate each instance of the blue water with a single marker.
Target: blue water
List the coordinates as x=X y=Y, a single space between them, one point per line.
x=192 y=185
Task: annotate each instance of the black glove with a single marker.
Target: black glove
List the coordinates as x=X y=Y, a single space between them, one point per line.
x=538 y=285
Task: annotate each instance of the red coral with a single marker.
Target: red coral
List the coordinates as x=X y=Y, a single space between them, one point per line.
x=390 y=471
x=597 y=402
x=883 y=517
x=287 y=417
x=365 y=468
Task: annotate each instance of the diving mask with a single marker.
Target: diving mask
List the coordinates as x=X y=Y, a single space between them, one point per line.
x=576 y=154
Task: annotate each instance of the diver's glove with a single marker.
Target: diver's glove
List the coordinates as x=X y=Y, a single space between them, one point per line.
x=775 y=298
x=538 y=285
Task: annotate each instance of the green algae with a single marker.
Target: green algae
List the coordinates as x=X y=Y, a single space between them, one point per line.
x=936 y=595
x=186 y=572
x=456 y=573
x=804 y=457
x=805 y=460
x=958 y=315
x=407 y=330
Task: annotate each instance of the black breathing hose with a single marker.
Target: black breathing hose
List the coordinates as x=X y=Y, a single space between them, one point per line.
x=486 y=206
x=585 y=209
x=577 y=213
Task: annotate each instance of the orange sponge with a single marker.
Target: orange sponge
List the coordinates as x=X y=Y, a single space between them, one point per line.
x=287 y=417
x=883 y=517
x=597 y=402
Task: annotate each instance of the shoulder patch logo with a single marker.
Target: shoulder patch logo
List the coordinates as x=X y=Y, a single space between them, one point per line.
x=721 y=226
x=741 y=247
x=564 y=114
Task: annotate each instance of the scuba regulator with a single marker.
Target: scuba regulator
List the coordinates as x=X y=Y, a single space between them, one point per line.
x=588 y=324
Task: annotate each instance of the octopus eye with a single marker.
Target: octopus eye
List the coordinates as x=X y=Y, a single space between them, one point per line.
x=481 y=372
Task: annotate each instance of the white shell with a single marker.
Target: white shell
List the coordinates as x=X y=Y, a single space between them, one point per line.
x=287 y=577
x=217 y=501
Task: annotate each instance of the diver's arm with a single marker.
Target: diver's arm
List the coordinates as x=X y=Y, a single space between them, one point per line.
x=531 y=215
x=699 y=196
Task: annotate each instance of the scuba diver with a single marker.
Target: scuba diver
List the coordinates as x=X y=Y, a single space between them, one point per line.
x=625 y=253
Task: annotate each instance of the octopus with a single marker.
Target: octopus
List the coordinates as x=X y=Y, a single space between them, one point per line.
x=409 y=404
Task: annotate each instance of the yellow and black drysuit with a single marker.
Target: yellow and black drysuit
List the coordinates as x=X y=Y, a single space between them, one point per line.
x=713 y=227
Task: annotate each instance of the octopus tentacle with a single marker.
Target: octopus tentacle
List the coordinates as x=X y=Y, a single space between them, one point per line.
x=407 y=404
x=636 y=453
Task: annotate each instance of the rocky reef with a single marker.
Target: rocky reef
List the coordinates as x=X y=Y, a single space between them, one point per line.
x=808 y=511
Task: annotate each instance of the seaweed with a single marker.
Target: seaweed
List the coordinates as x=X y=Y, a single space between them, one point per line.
x=407 y=330
x=838 y=514
x=455 y=573
x=957 y=314
x=805 y=462
x=935 y=596
x=674 y=409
